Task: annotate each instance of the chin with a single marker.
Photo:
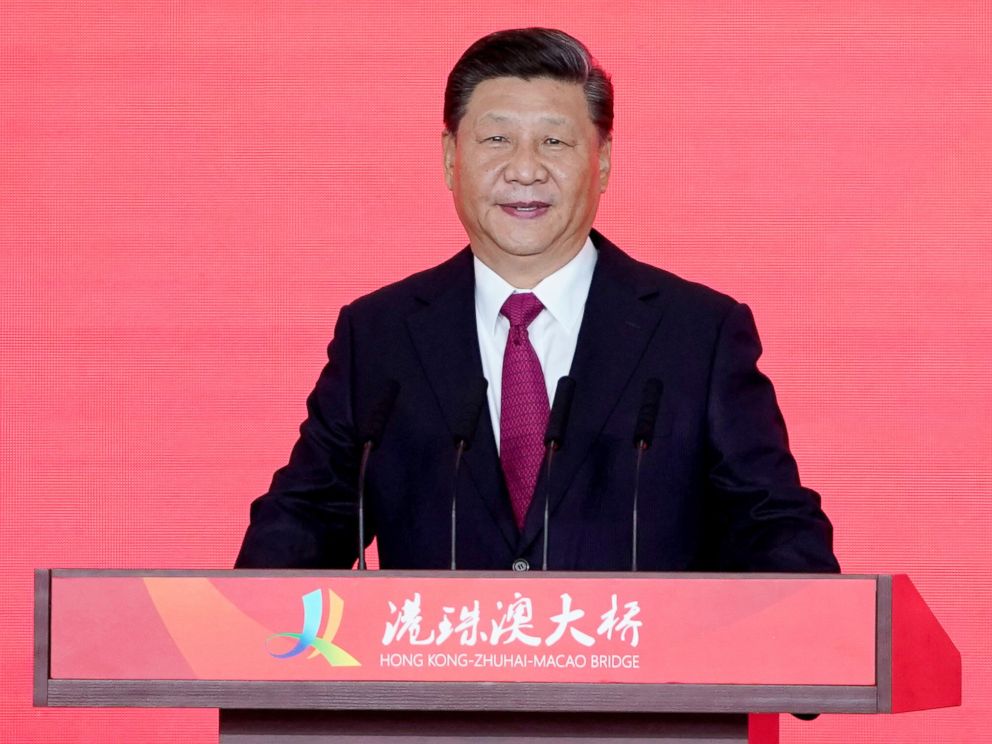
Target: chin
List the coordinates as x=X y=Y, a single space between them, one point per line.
x=523 y=248
x=526 y=243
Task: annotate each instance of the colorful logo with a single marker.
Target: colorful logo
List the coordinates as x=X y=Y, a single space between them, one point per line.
x=312 y=636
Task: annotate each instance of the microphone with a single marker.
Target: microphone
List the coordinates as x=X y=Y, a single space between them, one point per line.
x=370 y=431
x=554 y=437
x=643 y=435
x=464 y=432
x=370 y=434
x=558 y=419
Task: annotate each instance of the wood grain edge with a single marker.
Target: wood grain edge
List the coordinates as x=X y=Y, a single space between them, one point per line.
x=42 y=636
x=463 y=696
x=883 y=644
x=71 y=573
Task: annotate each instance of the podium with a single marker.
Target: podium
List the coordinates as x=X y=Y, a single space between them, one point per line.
x=300 y=657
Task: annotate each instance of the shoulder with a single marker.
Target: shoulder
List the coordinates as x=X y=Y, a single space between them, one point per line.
x=416 y=289
x=659 y=286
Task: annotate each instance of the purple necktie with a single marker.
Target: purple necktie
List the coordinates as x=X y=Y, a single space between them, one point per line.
x=524 y=412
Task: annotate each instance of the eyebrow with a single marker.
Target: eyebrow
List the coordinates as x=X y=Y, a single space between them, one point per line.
x=548 y=118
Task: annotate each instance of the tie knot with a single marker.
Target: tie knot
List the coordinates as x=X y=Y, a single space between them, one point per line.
x=521 y=309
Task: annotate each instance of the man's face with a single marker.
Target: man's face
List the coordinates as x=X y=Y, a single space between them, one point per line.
x=526 y=170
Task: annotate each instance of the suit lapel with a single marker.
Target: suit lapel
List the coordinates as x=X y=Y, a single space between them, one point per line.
x=444 y=335
x=617 y=324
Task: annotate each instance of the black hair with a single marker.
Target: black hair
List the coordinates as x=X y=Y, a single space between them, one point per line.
x=529 y=53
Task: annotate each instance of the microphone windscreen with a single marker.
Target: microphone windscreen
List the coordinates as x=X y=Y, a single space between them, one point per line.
x=371 y=430
x=470 y=411
x=648 y=415
x=558 y=420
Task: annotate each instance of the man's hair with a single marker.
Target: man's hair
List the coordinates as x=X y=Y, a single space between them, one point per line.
x=529 y=53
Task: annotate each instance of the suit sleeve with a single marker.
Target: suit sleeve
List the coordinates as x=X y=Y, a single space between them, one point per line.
x=769 y=521
x=308 y=518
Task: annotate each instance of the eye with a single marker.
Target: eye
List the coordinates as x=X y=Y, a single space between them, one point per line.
x=553 y=142
x=496 y=138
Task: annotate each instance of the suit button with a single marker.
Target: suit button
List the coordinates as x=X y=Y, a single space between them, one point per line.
x=520 y=564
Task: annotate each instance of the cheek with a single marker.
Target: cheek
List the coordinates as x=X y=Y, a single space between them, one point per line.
x=579 y=183
x=467 y=183
x=482 y=185
x=570 y=184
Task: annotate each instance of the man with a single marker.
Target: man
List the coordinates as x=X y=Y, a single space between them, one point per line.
x=537 y=295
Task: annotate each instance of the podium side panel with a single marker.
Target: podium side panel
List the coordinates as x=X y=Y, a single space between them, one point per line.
x=763 y=728
x=926 y=666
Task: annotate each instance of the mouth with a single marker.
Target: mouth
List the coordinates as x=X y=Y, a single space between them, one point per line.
x=525 y=210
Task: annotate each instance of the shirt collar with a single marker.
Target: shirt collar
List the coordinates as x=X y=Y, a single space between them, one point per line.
x=557 y=292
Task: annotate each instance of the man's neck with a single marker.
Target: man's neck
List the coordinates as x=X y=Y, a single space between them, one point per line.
x=526 y=272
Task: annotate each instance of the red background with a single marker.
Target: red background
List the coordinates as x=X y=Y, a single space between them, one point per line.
x=190 y=191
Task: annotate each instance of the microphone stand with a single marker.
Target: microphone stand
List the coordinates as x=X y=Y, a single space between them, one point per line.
x=464 y=432
x=642 y=447
x=459 y=451
x=370 y=433
x=552 y=448
x=366 y=451
x=643 y=435
x=553 y=437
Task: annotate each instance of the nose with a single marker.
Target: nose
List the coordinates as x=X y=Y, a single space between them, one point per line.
x=525 y=167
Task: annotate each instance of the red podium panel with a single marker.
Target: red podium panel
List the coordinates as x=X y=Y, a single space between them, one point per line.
x=401 y=628
x=458 y=650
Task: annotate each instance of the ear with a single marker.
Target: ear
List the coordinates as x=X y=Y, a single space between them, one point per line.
x=605 y=151
x=448 y=148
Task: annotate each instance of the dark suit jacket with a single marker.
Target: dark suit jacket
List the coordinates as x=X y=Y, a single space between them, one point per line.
x=719 y=488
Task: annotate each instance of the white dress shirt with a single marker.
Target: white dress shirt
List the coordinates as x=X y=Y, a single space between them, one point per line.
x=553 y=333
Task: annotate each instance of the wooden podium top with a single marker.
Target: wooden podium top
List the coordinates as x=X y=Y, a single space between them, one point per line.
x=495 y=641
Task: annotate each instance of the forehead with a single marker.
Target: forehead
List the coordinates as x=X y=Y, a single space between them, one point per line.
x=509 y=99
